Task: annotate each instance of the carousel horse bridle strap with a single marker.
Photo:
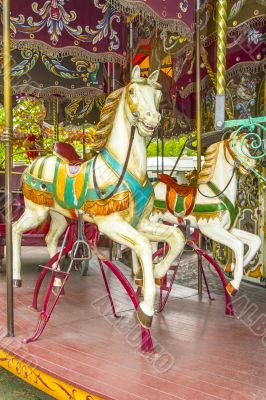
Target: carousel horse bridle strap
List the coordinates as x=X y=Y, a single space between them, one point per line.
x=120 y=180
x=233 y=211
x=141 y=194
x=227 y=147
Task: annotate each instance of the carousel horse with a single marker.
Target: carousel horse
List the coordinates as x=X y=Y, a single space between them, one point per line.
x=210 y=205
x=112 y=189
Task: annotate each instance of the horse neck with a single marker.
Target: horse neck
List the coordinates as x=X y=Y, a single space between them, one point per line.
x=223 y=173
x=118 y=143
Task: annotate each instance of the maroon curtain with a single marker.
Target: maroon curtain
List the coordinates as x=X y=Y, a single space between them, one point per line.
x=173 y=15
x=90 y=29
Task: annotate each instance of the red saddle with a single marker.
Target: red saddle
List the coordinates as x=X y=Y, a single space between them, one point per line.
x=68 y=152
x=181 y=190
x=174 y=190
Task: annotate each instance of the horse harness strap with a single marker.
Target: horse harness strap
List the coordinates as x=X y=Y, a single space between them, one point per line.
x=233 y=211
x=73 y=191
x=121 y=177
x=230 y=151
x=181 y=200
x=141 y=193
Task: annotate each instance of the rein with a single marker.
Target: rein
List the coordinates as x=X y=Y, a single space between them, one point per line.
x=120 y=180
x=225 y=147
x=222 y=191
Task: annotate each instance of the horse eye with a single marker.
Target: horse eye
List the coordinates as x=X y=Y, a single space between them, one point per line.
x=132 y=91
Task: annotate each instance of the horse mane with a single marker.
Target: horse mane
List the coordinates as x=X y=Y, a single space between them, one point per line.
x=206 y=174
x=105 y=125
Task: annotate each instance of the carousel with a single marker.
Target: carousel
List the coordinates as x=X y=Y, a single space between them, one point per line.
x=132 y=183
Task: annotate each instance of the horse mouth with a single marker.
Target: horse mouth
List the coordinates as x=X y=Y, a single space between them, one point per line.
x=147 y=127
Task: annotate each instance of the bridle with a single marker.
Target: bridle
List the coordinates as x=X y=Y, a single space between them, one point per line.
x=135 y=116
x=227 y=147
x=121 y=177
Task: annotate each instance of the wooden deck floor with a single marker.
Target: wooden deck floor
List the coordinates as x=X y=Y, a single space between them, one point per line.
x=201 y=354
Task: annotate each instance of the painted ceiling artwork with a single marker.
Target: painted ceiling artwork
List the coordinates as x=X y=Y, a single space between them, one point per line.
x=245 y=62
x=89 y=29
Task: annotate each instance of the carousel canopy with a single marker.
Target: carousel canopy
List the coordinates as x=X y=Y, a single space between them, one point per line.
x=245 y=62
x=89 y=29
x=175 y=16
x=61 y=47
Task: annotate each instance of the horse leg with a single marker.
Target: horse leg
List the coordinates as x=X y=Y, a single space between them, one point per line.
x=32 y=217
x=172 y=235
x=252 y=241
x=221 y=235
x=57 y=228
x=121 y=232
x=135 y=262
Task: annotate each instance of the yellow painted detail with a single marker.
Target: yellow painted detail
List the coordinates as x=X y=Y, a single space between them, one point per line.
x=62 y=177
x=79 y=181
x=49 y=384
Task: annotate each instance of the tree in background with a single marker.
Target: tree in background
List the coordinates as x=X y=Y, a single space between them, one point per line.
x=172 y=148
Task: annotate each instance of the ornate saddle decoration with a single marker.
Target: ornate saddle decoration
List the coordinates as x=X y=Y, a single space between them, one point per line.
x=180 y=199
x=72 y=188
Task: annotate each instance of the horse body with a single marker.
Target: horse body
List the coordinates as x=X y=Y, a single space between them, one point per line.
x=214 y=212
x=52 y=186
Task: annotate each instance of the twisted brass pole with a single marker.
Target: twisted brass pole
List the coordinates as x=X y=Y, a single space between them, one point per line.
x=212 y=76
x=7 y=138
x=55 y=119
x=221 y=64
x=221 y=46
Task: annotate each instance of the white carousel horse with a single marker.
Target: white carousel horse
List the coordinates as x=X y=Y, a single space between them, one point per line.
x=119 y=207
x=211 y=205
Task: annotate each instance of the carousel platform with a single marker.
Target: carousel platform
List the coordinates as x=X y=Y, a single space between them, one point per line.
x=87 y=354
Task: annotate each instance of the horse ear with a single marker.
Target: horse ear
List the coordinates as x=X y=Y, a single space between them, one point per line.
x=154 y=76
x=135 y=74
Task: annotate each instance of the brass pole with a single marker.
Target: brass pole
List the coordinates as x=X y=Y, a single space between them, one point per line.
x=7 y=138
x=55 y=118
x=221 y=46
x=198 y=118
x=221 y=64
x=113 y=78
x=131 y=45
x=108 y=78
x=204 y=56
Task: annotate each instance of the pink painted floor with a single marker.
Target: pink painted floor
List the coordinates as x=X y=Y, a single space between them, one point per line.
x=200 y=353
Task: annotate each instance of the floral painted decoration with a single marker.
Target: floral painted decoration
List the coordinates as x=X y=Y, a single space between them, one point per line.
x=89 y=29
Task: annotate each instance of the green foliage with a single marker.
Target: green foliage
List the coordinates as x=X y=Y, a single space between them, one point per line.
x=28 y=115
x=172 y=148
x=13 y=388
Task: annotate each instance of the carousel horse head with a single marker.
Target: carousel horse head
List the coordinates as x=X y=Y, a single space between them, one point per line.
x=142 y=102
x=237 y=148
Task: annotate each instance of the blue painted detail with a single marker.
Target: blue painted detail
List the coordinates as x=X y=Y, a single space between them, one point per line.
x=141 y=194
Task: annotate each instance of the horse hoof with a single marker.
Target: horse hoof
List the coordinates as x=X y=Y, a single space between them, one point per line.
x=17 y=283
x=56 y=290
x=144 y=319
x=231 y=290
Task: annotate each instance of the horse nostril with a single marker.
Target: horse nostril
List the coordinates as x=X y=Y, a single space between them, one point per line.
x=148 y=113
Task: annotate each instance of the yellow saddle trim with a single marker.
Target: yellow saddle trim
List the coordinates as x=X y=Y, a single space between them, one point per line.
x=118 y=202
x=38 y=196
